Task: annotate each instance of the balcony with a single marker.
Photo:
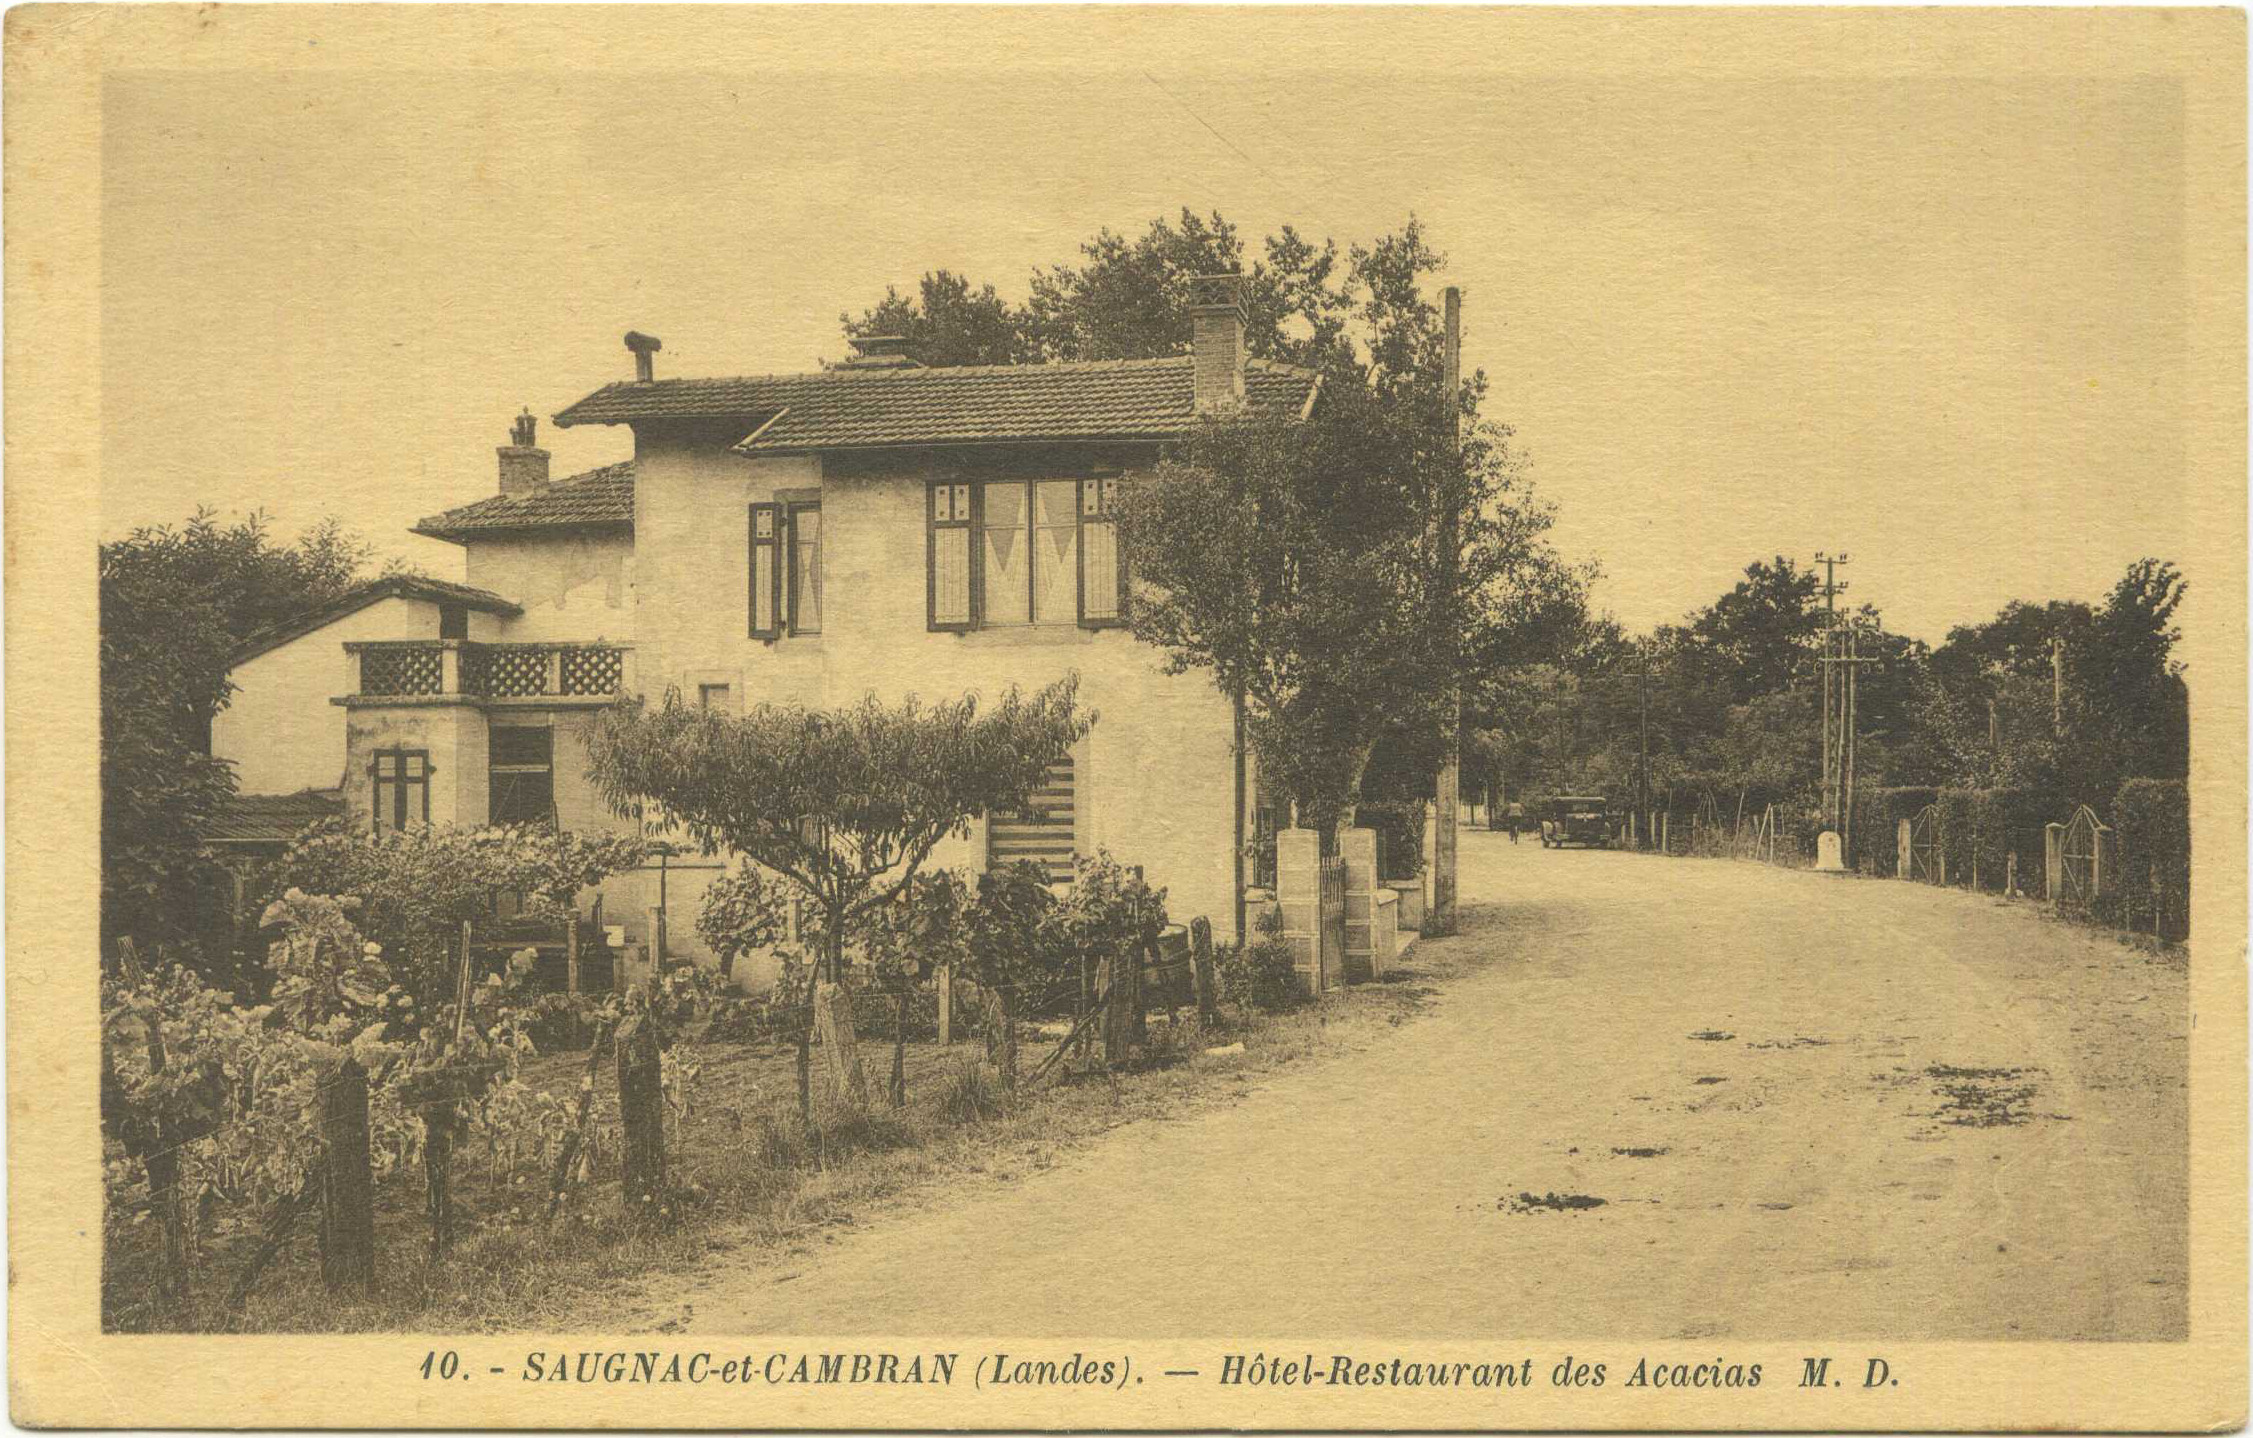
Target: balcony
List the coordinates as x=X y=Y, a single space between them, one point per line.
x=457 y=671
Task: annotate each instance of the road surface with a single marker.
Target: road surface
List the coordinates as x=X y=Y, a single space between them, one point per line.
x=1810 y=1106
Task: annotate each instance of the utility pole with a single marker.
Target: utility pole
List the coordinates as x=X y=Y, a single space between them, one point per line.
x=1447 y=786
x=1832 y=686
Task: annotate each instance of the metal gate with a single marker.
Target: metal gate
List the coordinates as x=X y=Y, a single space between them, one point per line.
x=2077 y=856
x=1926 y=833
x=1332 y=922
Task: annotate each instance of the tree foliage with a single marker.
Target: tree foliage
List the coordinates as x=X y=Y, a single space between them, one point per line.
x=845 y=804
x=175 y=604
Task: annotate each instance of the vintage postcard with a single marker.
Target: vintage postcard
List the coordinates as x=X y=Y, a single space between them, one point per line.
x=1126 y=718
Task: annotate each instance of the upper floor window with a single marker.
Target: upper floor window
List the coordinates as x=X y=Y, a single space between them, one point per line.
x=785 y=568
x=1015 y=552
x=402 y=788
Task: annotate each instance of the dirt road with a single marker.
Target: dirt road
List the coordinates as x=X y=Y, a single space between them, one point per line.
x=1656 y=1098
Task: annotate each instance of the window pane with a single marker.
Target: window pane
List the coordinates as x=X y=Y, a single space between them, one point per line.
x=1056 y=579
x=950 y=576
x=1006 y=592
x=514 y=744
x=1102 y=588
x=806 y=602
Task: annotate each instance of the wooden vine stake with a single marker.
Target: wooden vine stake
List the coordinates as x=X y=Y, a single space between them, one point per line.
x=1201 y=963
x=347 y=1185
x=641 y=1115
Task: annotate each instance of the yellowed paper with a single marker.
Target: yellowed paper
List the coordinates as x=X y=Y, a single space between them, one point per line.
x=1709 y=1144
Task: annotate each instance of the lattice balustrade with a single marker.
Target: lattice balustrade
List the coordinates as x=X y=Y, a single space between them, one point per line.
x=515 y=672
x=401 y=669
x=592 y=671
x=476 y=670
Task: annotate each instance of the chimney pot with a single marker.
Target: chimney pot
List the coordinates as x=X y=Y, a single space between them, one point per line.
x=643 y=347
x=1216 y=317
x=524 y=466
x=880 y=352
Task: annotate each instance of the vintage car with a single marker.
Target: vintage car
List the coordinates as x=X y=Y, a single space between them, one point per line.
x=1576 y=819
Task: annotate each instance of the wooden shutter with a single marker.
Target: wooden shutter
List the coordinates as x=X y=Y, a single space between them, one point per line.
x=1045 y=831
x=1103 y=577
x=766 y=571
x=950 y=560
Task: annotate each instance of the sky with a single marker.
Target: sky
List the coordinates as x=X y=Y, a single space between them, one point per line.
x=1933 y=323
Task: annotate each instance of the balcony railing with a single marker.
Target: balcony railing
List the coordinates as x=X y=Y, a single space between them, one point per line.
x=439 y=668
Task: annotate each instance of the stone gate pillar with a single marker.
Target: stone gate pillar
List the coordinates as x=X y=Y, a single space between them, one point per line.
x=1359 y=850
x=2053 y=860
x=1904 y=850
x=1298 y=894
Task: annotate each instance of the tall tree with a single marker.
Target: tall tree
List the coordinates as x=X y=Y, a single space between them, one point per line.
x=175 y=602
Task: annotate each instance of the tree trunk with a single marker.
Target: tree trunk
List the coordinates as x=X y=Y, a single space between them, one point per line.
x=843 y=1080
x=899 y=1051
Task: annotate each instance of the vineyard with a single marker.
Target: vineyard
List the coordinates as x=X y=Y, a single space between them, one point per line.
x=383 y=1131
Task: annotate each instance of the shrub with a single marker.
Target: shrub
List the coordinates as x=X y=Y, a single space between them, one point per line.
x=1982 y=827
x=970 y=1094
x=1262 y=974
x=2151 y=819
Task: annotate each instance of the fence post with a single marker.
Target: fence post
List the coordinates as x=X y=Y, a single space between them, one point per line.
x=2104 y=856
x=2053 y=861
x=1113 y=1027
x=571 y=952
x=945 y=981
x=1201 y=963
x=438 y=1119
x=1666 y=833
x=347 y=1187
x=2010 y=874
x=641 y=1116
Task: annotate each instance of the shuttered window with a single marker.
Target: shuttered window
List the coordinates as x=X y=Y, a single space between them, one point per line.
x=1015 y=552
x=1045 y=831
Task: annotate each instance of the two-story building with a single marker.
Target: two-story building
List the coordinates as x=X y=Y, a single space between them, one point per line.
x=878 y=527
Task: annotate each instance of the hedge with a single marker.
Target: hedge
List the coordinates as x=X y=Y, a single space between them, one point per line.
x=1400 y=835
x=1981 y=828
x=2151 y=829
x=1877 y=821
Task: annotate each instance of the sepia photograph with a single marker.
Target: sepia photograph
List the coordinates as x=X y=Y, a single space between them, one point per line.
x=1483 y=719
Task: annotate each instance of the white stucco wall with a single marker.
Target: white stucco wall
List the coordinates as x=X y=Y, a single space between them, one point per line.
x=280 y=730
x=569 y=586
x=1155 y=779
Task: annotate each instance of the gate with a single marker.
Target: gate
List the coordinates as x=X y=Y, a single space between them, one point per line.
x=1333 y=921
x=1926 y=831
x=2080 y=872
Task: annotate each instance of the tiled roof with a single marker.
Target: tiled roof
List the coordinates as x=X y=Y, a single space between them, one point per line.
x=602 y=496
x=270 y=818
x=405 y=586
x=866 y=408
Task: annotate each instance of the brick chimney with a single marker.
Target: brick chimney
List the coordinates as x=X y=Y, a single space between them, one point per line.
x=1216 y=311
x=524 y=465
x=643 y=347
